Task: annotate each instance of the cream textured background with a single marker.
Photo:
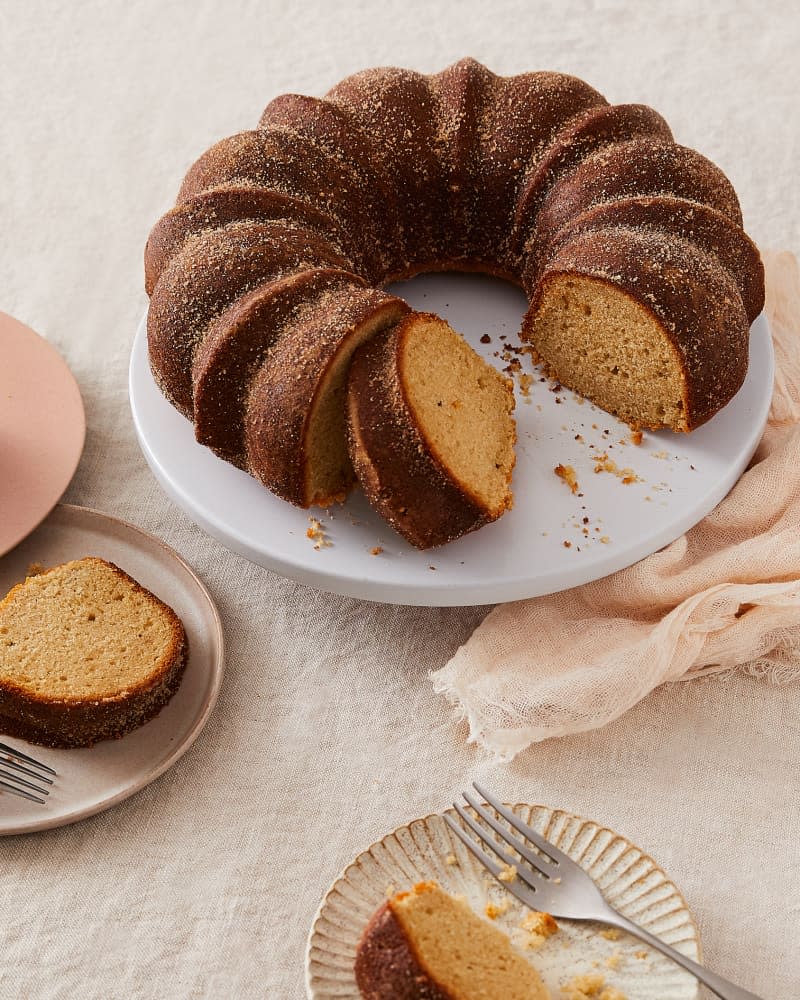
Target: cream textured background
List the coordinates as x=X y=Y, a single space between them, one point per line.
x=327 y=733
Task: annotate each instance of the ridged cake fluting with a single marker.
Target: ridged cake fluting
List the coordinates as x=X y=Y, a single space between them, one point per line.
x=628 y=245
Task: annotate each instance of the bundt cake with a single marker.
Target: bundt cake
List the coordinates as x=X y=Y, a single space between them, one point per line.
x=265 y=278
x=426 y=945
x=86 y=654
x=428 y=417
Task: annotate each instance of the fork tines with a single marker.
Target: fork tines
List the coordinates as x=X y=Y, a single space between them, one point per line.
x=23 y=775
x=545 y=859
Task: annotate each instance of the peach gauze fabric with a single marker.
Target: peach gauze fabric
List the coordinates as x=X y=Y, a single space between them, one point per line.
x=726 y=594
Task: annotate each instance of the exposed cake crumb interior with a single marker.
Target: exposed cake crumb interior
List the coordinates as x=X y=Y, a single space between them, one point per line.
x=80 y=631
x=464 y=954
x=609 y=348
x=464 y=407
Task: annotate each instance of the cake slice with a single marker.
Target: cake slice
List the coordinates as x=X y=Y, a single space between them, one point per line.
x=234 y=349
x=426 y=945
x=295 y=432
x=86 y=654
x=431 y=431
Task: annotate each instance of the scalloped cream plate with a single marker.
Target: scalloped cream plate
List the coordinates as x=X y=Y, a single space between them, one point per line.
x=551 y=540
x=425 y=849
x=94 y=779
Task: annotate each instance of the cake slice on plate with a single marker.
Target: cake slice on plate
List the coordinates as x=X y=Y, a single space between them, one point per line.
x=427 y=945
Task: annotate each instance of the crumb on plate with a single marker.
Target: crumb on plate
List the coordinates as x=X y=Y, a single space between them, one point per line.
x=567 y=473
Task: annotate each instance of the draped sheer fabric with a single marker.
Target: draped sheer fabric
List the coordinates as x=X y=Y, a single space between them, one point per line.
x=724 y=595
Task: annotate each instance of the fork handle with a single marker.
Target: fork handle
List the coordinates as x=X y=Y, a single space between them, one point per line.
x=721 y=987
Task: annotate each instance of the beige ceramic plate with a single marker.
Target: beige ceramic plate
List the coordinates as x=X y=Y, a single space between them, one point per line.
x=95 y=779
x=42 y=428
x=425 y=849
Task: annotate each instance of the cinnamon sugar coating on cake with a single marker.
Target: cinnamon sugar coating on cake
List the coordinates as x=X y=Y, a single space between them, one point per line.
x=230 y=355
x=337 y=132
x=641 y=281
x=595 y=129
x=668 y=217
x=212 y=270
x=295 y=430
x=622 y=309
x=222 y=206
x=428 y=418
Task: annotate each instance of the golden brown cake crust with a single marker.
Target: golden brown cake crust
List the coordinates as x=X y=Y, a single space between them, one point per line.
x=285 y=392
x=385 y=966
x=235 y=346
x=393 y=461
x=81 y=722
x=212 y=270
x=221 y=207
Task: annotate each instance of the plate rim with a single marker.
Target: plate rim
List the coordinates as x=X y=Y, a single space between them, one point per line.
x=432 y=593
x=216 y=675
x=405 y=827
x=69 y=379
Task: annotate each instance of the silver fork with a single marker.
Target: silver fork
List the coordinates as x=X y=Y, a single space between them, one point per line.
x=23 y=775
x=559 y=886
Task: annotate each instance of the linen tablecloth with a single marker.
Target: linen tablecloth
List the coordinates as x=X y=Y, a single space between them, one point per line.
x=327 y=733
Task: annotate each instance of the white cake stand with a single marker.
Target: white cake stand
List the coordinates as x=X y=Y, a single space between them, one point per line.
x=551 y=540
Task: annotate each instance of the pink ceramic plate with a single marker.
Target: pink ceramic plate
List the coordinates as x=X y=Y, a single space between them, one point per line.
x=42 y=429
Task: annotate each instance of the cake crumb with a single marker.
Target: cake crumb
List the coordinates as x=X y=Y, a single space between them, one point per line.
x=567 y=473
x=605 y=464
x=611 y=933
x=640 y=954
x=636 y=437
x=583 y=987
x=507 y=873
x=495 y=910
x=376 y=550
x=539 y=927
x=590 y=986
x=316 y=532
x=390 y=890
x=451 y=859
x=614 y=961
x=486 y=339
x=567 y=545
